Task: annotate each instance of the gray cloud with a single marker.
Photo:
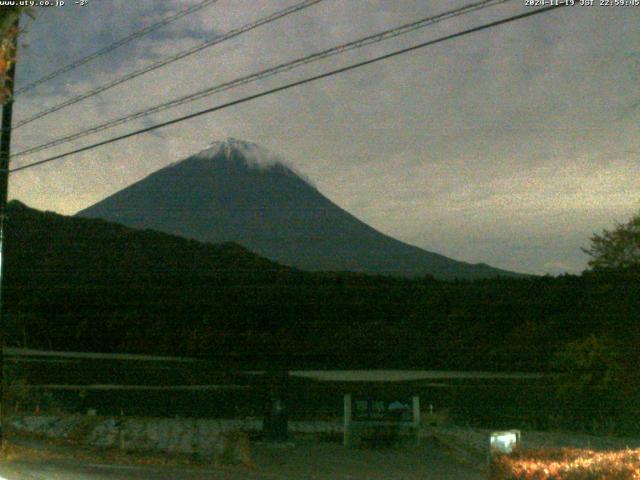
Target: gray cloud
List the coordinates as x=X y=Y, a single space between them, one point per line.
x=508 y=147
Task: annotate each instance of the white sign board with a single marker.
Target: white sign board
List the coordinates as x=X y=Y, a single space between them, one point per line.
x=504 y=442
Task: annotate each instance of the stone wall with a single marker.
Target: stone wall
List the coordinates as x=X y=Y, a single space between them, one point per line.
x=209 y=436
x=171 y=435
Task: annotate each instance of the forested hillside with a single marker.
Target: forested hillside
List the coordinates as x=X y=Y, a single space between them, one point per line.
x=79 y=284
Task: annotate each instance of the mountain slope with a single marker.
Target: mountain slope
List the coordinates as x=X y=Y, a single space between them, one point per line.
x=237 y=191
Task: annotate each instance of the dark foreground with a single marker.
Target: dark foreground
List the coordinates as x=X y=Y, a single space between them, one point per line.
x=304 y=460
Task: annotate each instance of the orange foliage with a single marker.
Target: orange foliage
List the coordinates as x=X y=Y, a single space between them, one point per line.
x=567 y=464
x=7 y=58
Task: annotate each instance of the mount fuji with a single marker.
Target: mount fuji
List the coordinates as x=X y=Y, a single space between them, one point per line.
x=237 y=191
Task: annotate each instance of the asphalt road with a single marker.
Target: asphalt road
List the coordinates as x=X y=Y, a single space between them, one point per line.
x=305 y=460
x=54 y=470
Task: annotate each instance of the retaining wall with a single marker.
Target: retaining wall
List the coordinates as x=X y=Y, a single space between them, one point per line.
x=171 y=435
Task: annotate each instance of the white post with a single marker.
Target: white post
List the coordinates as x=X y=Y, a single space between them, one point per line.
x=416 y=417
x=347 y=420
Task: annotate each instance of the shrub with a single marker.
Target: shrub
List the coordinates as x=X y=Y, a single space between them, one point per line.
x=567 y=464
x=236 y=449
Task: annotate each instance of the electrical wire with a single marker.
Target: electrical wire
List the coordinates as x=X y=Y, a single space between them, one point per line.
x=295 y=84
x=154 y=66
x=117 y=44
x=362 y=42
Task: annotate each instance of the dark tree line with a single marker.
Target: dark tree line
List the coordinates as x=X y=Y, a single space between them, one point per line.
x=77 y=284
x=88 y=285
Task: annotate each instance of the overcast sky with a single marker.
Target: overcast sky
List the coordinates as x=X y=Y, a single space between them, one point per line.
x=508 y=147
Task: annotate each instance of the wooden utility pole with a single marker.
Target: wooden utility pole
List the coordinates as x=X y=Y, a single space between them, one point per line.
x=5 y=153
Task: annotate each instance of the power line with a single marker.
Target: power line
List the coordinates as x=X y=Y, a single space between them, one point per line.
x=154 y=66
x=119 y=43
x=362 y=42
x=295 y=84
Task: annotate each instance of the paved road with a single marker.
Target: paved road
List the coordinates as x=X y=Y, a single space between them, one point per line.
x=57 y=470
x=305 y=460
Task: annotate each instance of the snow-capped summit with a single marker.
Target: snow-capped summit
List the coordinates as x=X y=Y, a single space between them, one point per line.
x=238 y=191
x=231 y=148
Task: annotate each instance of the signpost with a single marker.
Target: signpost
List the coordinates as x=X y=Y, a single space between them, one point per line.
x=275 y=425
x=368 y=413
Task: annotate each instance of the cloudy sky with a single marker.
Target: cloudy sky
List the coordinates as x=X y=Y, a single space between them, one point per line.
x=509 y=147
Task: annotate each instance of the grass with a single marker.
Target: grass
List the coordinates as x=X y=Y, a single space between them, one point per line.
x=567 y=464
x=48 y=449
x=237 y=450
x=11 y=453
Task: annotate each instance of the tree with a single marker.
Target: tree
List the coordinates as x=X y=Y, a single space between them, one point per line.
x=8 y=34
x=618 y=248
x=598 y=382
x=591 y=362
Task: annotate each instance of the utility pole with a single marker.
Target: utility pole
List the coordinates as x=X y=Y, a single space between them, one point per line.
x=5 y=152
